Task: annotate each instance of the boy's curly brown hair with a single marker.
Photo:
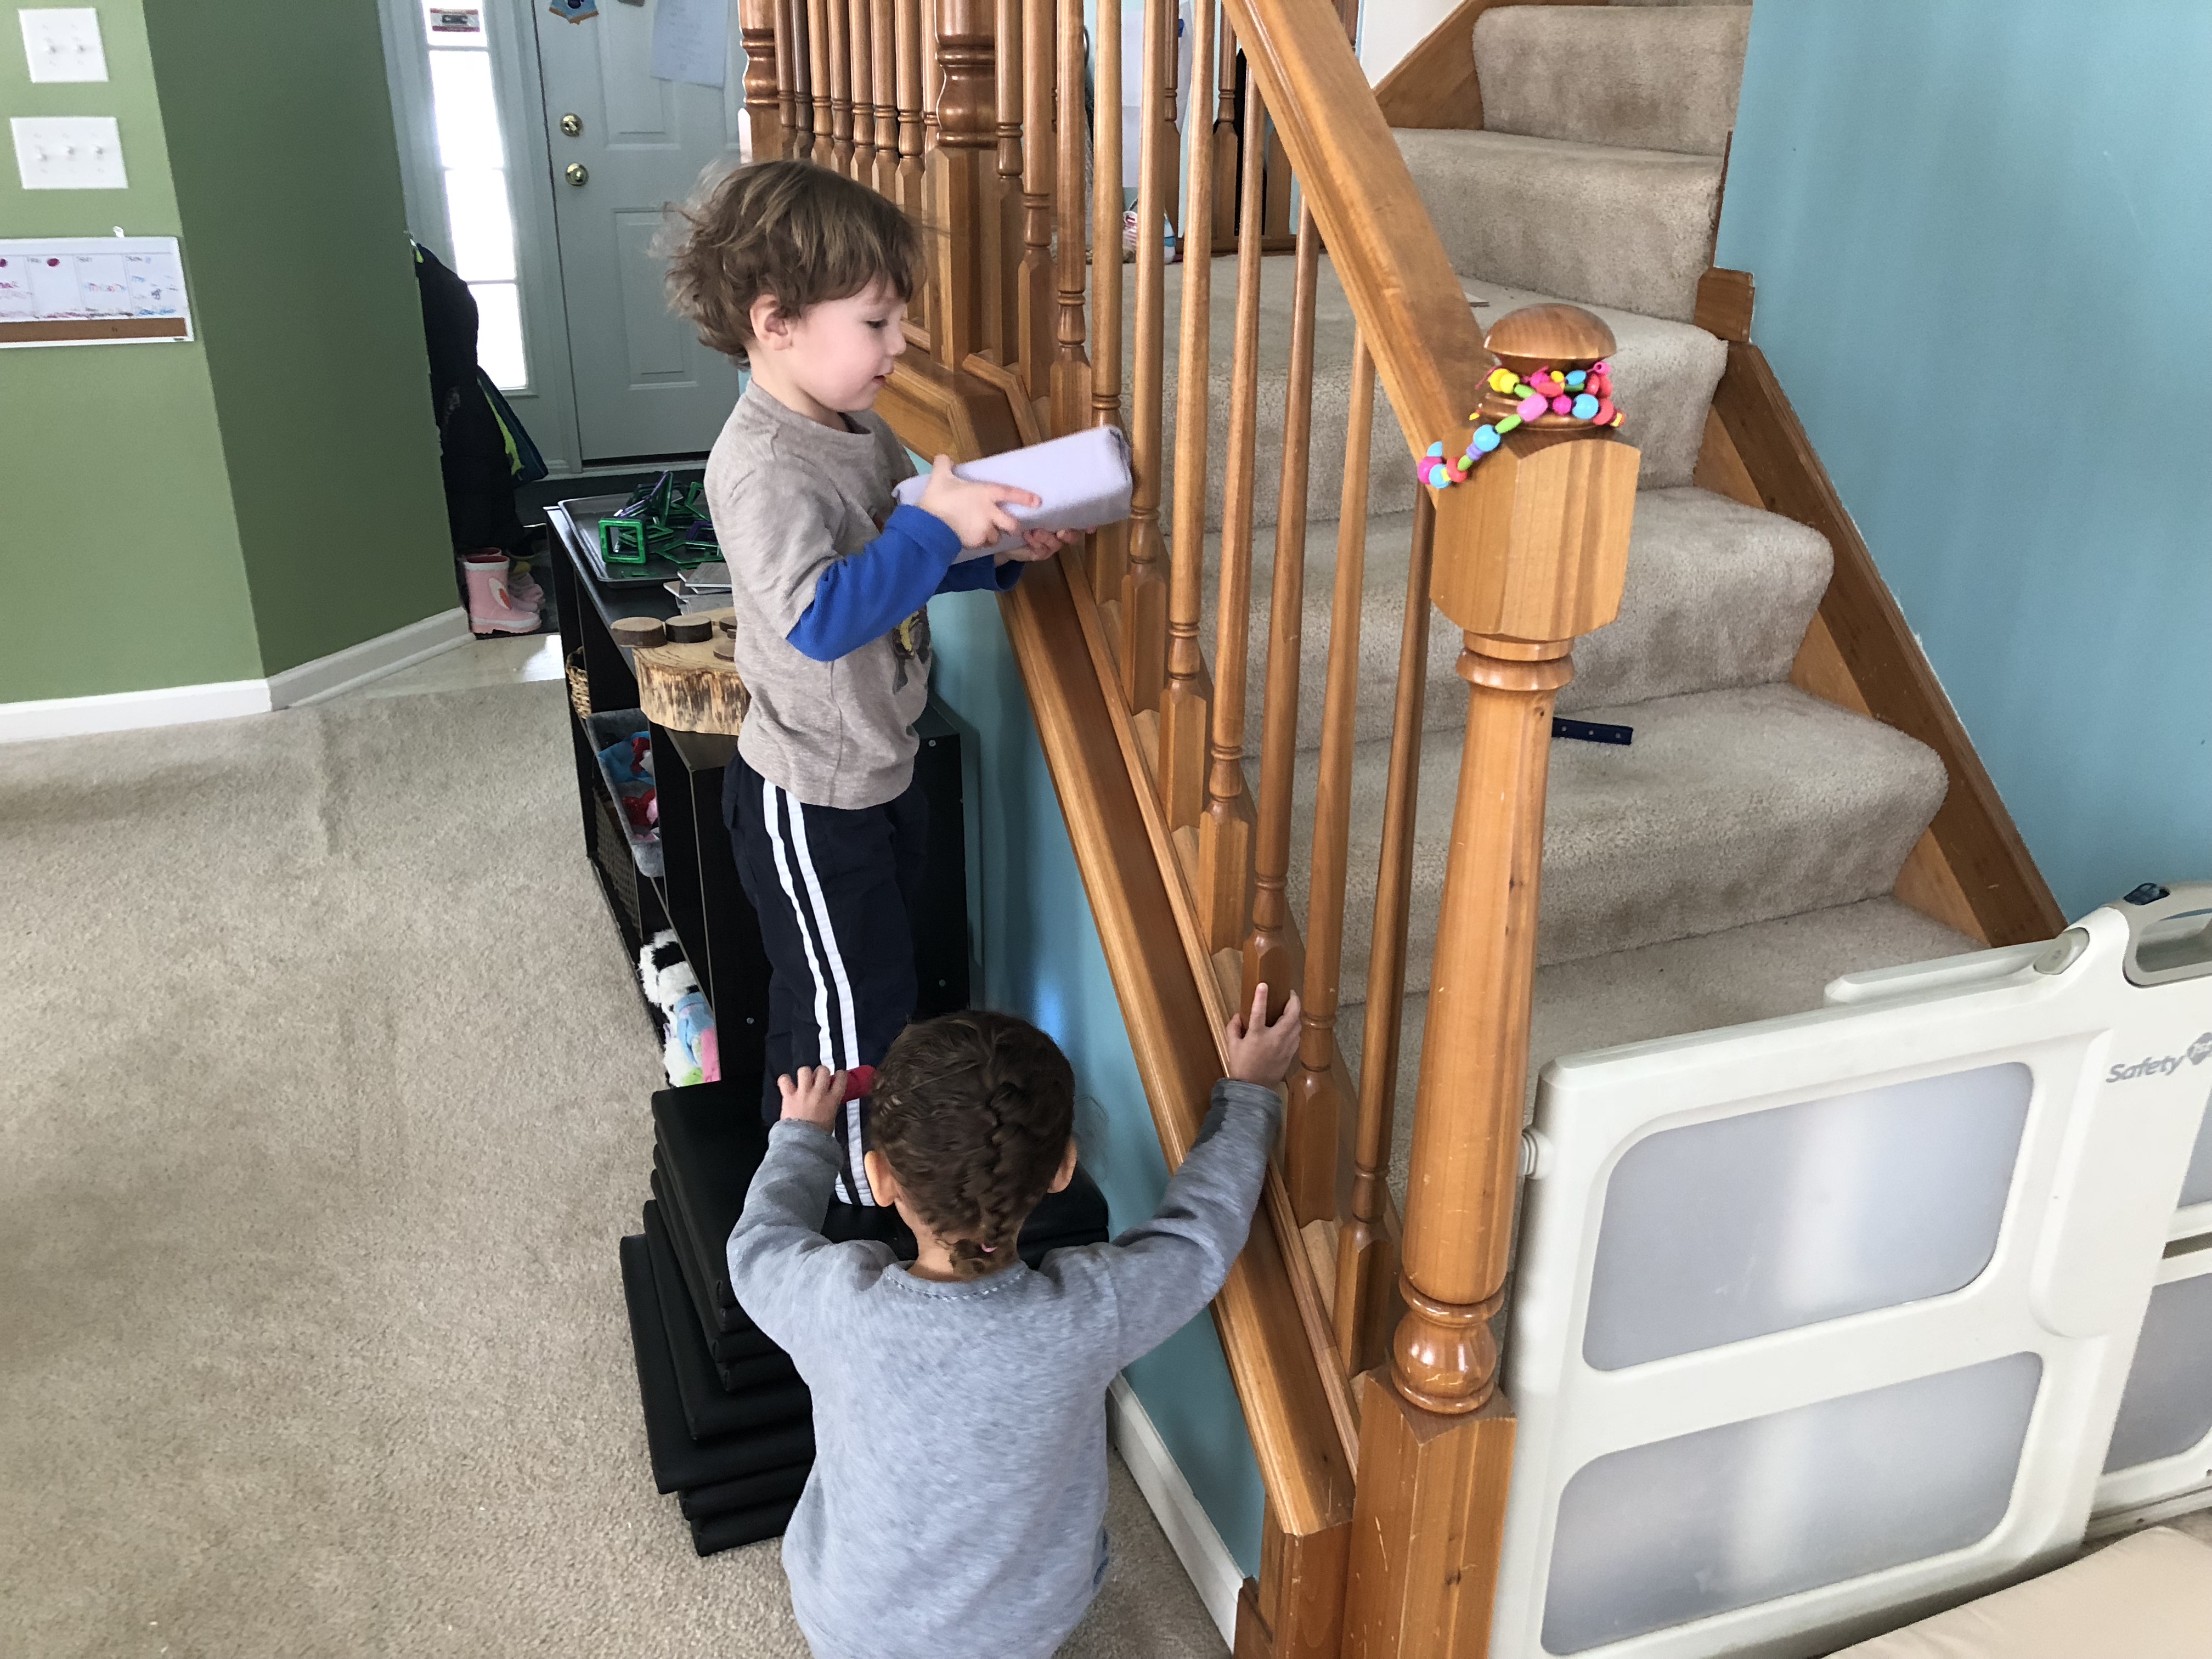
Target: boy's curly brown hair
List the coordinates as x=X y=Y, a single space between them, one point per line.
x=791 y=229
x=973 y=1112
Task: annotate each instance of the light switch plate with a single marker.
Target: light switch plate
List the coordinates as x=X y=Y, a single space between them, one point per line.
x=63 y=43
x=68 y=152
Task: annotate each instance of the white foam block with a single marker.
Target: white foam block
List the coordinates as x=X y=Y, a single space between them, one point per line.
x=1081 y=482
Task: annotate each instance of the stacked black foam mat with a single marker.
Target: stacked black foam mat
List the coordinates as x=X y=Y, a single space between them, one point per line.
x=728 y=1421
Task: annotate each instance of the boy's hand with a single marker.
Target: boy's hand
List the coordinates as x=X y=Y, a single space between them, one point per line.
x=1261 y=1053
x=813 y=1097
x=1040 y=544
x=977 y=512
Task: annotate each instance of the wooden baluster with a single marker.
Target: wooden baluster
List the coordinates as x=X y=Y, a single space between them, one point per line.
x=860 y=30
x=1034 y=296
x=1226 y=150
x=1171 y=139
x=1071 y=367
x=818 y=59
x=1364 y=1258
x=790 y=73
x=839 y=31
x=961 y=171
x=1004 y=227
x=1275 y=217
x=1224 y=830
x=907 y=44
x=883 y=56
x=763 y=117
x=1109 y=547
x=1184 y=705
x=933 y=78
x=1144 y=588
x=1271 y=955
x=1539 y=552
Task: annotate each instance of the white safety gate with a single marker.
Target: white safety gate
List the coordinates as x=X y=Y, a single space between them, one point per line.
x=1826 y=1321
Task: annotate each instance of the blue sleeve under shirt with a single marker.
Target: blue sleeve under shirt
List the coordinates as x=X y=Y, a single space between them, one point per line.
x=864 y=595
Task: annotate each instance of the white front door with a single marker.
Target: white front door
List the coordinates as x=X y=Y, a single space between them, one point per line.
x=622 y=146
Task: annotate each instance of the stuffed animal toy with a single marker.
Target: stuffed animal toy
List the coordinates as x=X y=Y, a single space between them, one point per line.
x=690 y=1055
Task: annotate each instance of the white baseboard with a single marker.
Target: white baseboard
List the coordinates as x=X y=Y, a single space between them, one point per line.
x=1213 y=1572
x=372 y=660
x=181 y=705
x=129 y=711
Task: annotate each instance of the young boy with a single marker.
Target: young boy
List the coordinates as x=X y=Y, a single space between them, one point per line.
x=805 y=275
x=957 y=1502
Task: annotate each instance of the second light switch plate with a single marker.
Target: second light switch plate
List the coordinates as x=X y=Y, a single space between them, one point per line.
x=68 y=152
x=62 y=43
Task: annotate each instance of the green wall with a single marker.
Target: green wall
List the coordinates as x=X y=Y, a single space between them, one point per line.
x=269 y=492
x=288 y=174
x=114 y=489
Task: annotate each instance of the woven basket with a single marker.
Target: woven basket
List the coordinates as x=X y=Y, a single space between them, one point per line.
x=579 y=686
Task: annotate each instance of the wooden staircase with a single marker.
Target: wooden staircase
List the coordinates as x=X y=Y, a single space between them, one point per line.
x=1361 y=1325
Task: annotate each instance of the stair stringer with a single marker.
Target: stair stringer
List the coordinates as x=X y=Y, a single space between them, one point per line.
x=1267 y=1312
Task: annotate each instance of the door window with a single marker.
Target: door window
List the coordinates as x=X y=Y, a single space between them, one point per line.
x=472 y=163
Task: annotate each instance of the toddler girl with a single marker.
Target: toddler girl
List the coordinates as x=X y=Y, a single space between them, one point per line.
x=956 y=1506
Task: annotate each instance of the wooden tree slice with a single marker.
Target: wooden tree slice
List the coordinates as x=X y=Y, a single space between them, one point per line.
x=634 y=633
x=688 y=687
x=689 y=629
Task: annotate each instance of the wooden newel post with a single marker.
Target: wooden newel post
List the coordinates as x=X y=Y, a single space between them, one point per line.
x=962 y=176
x=1530 y=553
x=763 y=114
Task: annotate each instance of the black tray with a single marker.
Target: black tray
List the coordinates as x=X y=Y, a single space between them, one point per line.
x=585 y=511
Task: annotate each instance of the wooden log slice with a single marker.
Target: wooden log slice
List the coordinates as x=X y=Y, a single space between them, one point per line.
x=632 y=633
x=688 y=687
x=689 y=629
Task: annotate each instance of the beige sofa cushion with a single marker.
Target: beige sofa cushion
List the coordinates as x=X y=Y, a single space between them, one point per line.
x=2148 y=1596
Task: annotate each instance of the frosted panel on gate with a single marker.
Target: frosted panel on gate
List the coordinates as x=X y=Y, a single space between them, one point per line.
x=2196 y=1185
x=1657 y=1535
x=1770 y=1220
x=2168 y=1407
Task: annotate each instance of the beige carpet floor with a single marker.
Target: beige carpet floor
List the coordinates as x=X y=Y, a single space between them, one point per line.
x=323 y=1098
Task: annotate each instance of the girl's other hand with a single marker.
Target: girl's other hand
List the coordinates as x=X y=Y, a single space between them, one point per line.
x=1261 y=1053
x=813 y=1097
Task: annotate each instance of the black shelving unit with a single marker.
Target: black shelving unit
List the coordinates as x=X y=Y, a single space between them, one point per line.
x=698 y=894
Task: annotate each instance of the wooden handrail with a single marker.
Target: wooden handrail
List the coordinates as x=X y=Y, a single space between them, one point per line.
x=1408 y=301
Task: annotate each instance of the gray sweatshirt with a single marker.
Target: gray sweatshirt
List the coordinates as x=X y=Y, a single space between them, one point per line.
x=789 y=498
x=957 y=1504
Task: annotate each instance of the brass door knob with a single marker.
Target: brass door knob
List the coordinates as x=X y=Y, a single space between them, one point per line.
x=578 y=173
x=573 y=126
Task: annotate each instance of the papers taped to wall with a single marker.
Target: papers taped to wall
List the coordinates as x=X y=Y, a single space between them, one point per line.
x=91 y=290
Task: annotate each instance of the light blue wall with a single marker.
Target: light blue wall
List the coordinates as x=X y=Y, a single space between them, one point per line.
x=1982 y=234
x=1041 y=960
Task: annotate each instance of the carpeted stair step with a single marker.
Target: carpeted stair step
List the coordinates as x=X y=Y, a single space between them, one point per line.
x=1594 y=224
x=1759 y=971
x=1729 y=807
x=1664 y=372
x=1719 y=595
x=1645 y=78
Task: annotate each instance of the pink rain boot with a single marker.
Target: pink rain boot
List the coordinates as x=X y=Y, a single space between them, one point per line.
x=521 y=587
x=493 y=609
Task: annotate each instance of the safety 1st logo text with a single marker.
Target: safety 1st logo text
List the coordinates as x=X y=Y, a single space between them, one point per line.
x=2163 y=1065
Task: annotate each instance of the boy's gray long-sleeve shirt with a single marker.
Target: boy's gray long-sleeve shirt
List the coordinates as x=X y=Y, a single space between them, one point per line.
x=957 y=1504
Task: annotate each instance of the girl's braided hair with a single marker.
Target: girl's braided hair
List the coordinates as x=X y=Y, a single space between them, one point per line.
x=973 y=1112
